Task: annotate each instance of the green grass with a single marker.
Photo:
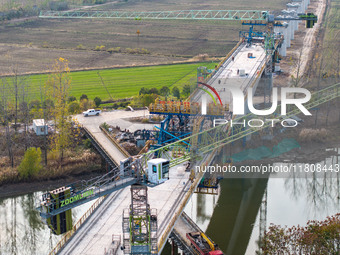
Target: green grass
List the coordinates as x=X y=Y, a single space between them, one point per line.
x=123 y=82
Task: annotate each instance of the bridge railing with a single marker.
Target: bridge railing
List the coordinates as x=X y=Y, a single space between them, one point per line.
x=101 y=149
x=115 y=143
x=70 y=233
x=185 y=200
x=225 y=61
x=218 y=68
x=258 y=72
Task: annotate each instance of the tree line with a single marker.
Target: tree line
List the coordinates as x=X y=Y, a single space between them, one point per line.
x=17 y=112
x=147 y=96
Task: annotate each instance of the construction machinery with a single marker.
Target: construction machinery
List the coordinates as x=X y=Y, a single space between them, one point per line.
x=202 y=244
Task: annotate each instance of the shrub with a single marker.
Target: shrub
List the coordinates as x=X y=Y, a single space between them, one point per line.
x=313 y=135
x=143 y=100
x=80 y=47
x=114 y=50
x=99 y=48
x=202 y=57
x=86 y=104
x=105 y=126
x=97 y=101
x=153 y=91
x=164 y=91
x=88 y=143
x=137 y=51
x=45 y=45
x=35 y=104
x=48 y=104
x=31 y=163
x=129 y=50
x=143 y=91
x=186 y=90
x=83 y=96
x=318 y=237
x=73 y=107
x=71 y=99
x=176 y=92
x=144 y=51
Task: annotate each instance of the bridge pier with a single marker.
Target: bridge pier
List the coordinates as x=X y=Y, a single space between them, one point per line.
x=174 y=248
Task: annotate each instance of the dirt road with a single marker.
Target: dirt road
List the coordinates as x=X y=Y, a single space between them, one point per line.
x=310 y=38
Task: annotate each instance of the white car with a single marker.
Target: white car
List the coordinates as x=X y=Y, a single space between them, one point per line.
x=91 y=112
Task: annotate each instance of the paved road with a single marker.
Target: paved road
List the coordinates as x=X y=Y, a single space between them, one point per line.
x=114 y=118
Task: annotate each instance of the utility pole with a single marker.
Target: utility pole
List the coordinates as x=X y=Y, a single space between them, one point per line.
x=105 y=86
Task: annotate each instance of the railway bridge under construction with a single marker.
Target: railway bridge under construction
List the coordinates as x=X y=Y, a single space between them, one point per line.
x=131 y=218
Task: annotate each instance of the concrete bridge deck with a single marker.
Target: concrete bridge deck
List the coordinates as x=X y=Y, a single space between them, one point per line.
x=96 y=234
x=239 y=70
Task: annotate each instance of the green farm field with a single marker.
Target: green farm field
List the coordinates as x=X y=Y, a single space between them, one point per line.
x=123 y=82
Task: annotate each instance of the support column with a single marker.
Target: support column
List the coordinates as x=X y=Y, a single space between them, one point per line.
x=287 y=33
x=302 y=4
x=282 y=31
x=293 y=8
x=285 y=40
x=291 y=25
x=174 y=248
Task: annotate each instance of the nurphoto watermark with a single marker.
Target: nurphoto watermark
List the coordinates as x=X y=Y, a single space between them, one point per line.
x=280 y=170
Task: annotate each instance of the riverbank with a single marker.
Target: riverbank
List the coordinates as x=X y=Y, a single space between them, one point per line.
x=309 y=152
x=17 y=189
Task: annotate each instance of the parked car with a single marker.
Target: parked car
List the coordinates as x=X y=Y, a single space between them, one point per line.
x=91 y=112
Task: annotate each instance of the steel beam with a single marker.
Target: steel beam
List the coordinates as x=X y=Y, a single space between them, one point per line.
x=186 y=14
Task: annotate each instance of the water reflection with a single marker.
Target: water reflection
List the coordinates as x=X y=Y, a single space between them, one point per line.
x=231 y=218
x=21 y=228
x=200 y=209
x=234 y=223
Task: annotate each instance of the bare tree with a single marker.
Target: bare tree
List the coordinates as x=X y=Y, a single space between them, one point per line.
x=43 y=95
x=5 y=119
x=24 y=111
x=15 y=84
x=298 y=77
x=319 y=70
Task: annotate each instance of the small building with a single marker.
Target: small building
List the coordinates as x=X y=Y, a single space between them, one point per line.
x=158 y=170
x=40 y=127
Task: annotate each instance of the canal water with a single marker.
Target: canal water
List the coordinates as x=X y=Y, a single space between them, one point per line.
x=230 y=218
x=22 y=230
